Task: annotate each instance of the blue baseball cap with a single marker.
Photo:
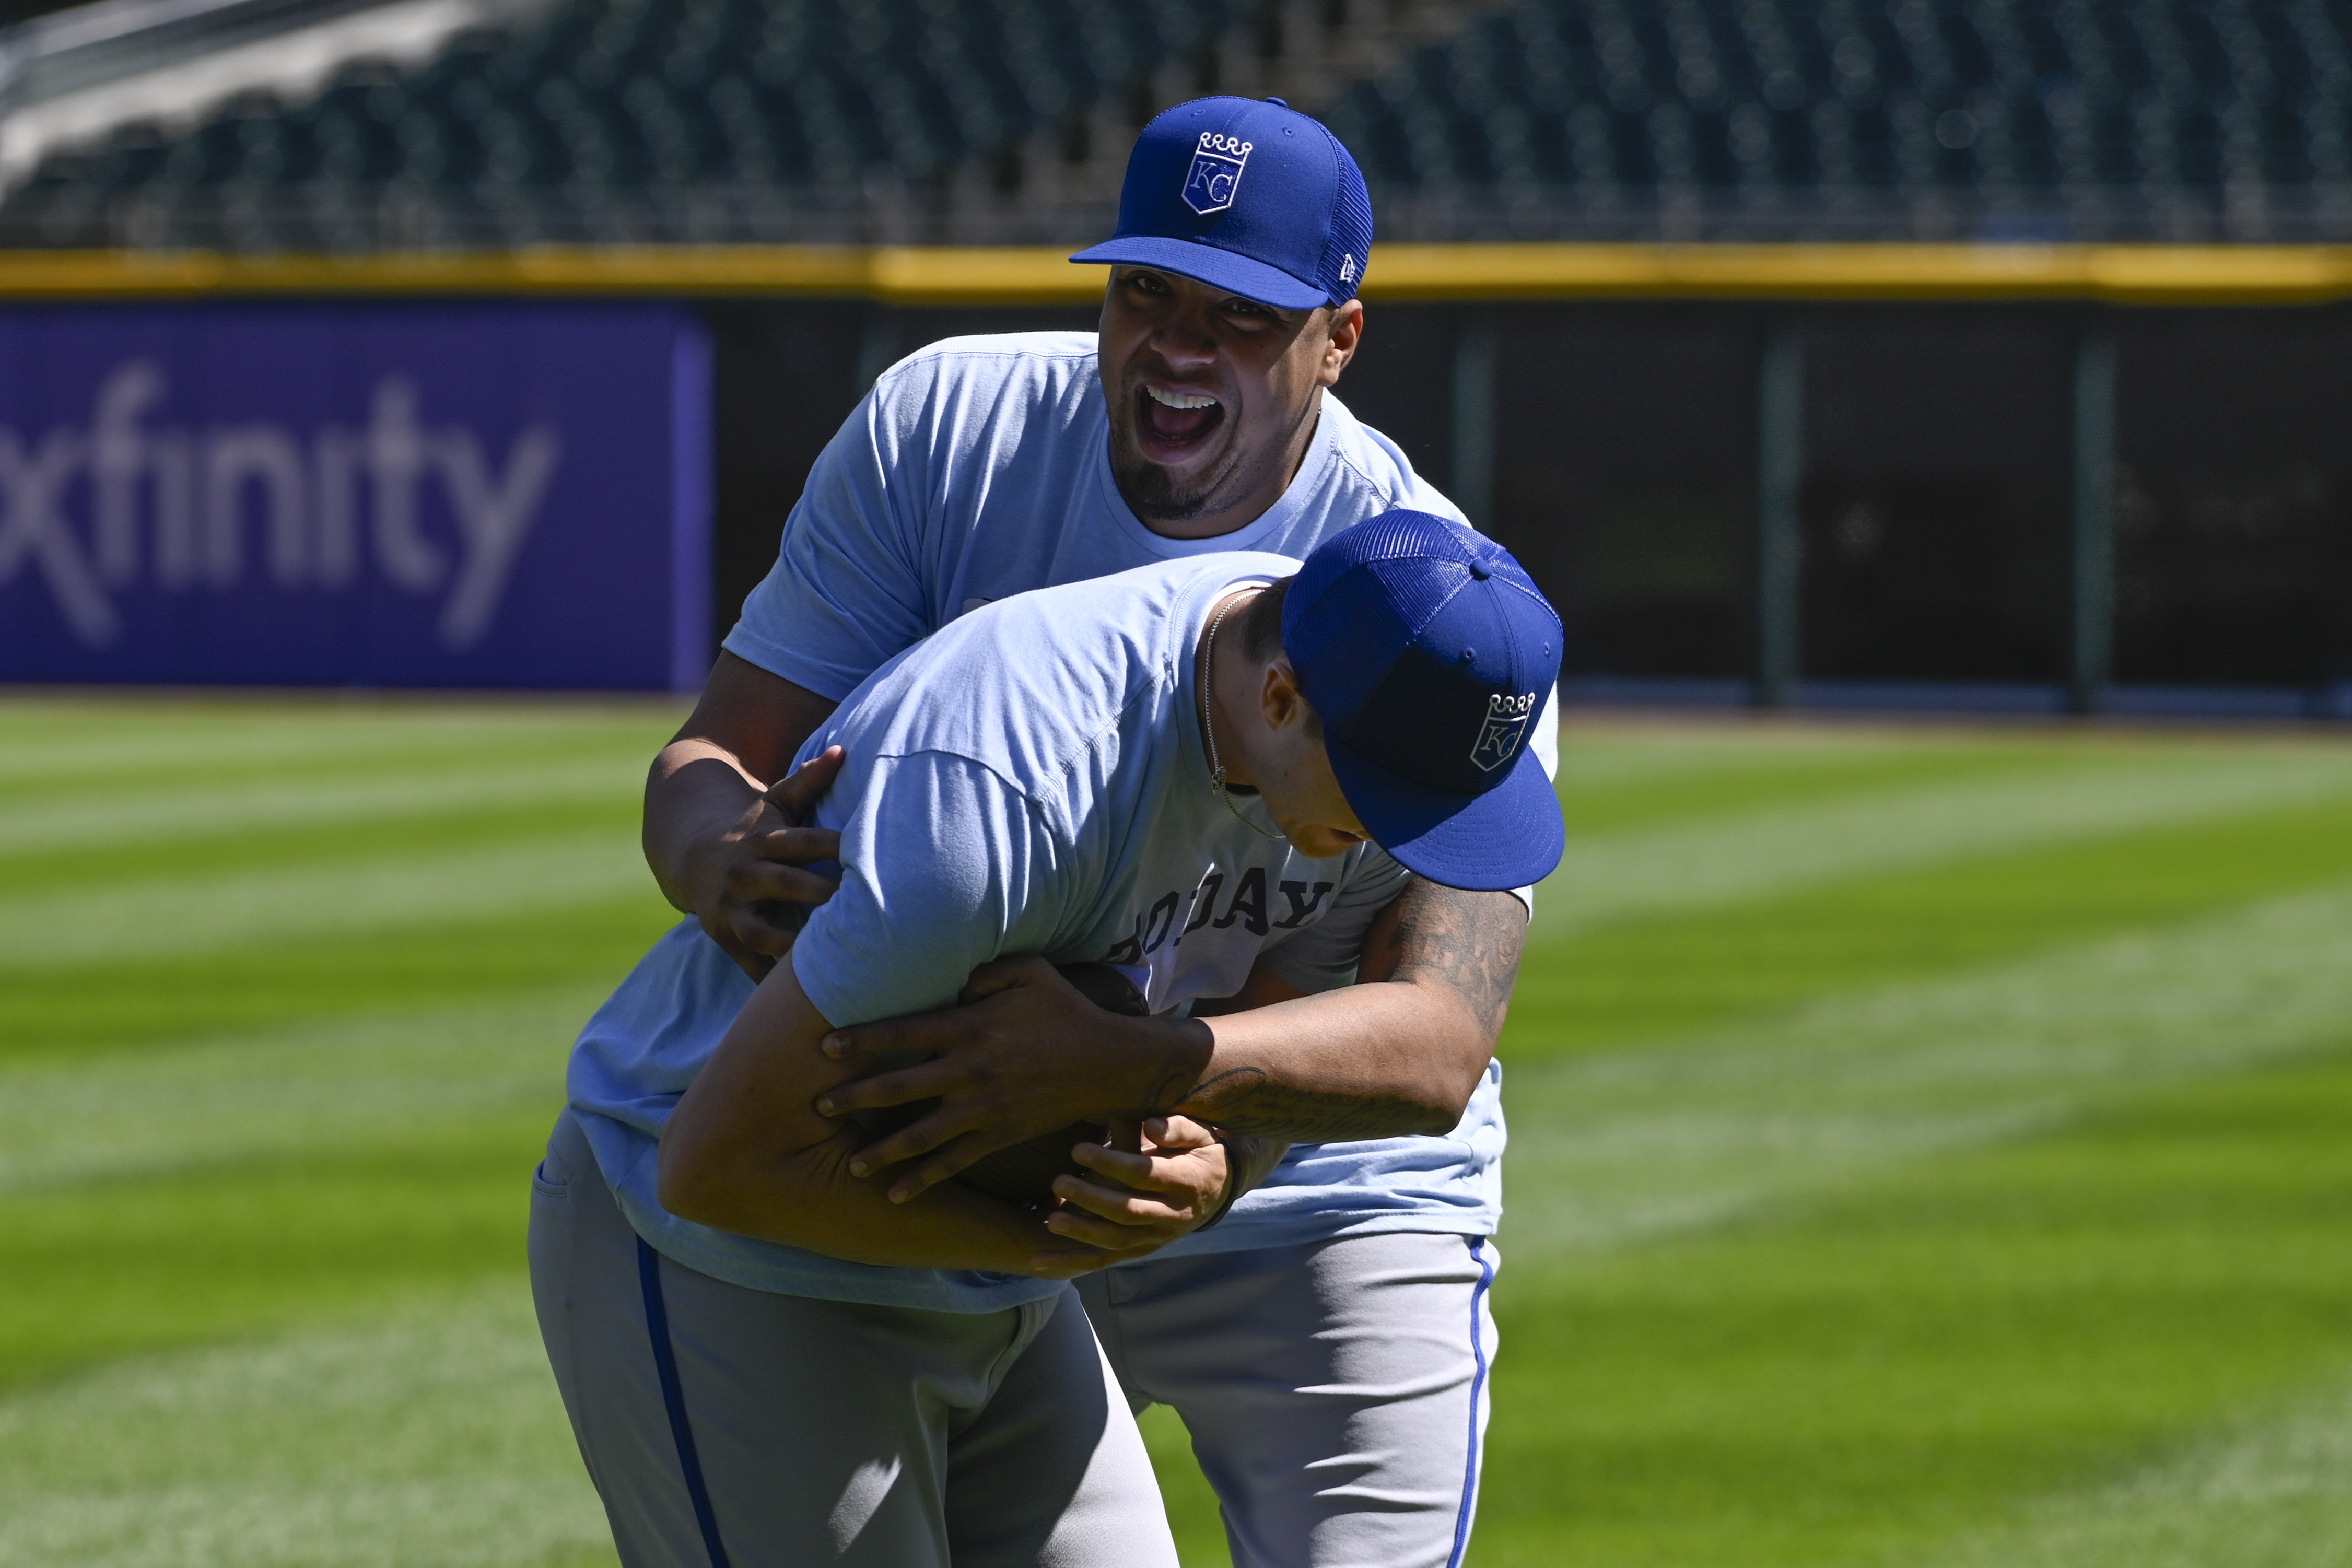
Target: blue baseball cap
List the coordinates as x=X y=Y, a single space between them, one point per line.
x=1247 y=195
x=1429 y=654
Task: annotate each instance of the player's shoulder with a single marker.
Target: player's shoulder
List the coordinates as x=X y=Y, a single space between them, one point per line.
x=995 y=359
x=1042 y=676
x=1121 y=617
x=995 y=397
x=1374 y=470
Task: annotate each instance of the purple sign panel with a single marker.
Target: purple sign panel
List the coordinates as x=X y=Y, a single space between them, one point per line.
x=482 y=496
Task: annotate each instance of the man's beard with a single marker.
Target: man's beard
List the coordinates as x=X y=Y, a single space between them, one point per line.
x=1158 y=495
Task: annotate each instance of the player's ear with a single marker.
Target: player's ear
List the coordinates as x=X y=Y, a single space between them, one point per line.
x=1281 y=701
x=1344 y=330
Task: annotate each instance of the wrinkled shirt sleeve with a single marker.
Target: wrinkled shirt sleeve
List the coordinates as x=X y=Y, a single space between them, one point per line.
x=849 y=588
x=945 y=865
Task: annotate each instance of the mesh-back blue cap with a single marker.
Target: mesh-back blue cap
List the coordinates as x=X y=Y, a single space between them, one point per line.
x=1429 y=654
x=1245 y=194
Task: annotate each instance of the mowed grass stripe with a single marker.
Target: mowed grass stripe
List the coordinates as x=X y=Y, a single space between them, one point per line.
x=181 y=809
x=2274 y=1493
x=209 y=913
x=429 y=1437
x=1611 y=1148
x=46 y=747
x=1609 y=785
x=1721 y=860
x=255 y=1247
x=1609 y=986
x=94 y=1009
x=321 y=1086
x=1868 y=1376
x=100 y=868
x=1600 y=748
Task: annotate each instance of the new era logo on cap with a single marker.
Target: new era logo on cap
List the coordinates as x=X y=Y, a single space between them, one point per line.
x=1215 y=174
x=1245 y=195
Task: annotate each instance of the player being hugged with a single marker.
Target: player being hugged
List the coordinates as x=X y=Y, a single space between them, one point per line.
x=1201 y=773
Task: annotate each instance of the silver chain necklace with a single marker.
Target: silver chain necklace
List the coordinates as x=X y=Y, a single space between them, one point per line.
x=1208 y=721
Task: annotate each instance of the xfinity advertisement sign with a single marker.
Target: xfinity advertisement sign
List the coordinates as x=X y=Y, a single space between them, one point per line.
x=512 y=496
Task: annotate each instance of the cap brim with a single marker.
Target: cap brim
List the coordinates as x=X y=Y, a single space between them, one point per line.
x=1510 y=836
x=1218 y=268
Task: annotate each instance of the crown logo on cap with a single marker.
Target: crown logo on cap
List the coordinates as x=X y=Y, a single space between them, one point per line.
x=1215 y=173
x=1498 y=737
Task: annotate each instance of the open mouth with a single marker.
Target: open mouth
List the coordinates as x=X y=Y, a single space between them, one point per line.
x=1173 y=423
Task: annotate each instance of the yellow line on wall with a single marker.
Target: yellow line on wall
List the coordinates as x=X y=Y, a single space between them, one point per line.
x=2116 y=274
x=908 y=275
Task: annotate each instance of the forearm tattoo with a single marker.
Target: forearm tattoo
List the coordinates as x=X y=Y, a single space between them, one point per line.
x=1248 y=1100
x=1467 y=943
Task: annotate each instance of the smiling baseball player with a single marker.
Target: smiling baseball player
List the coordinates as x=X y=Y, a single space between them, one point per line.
x=1328 y=1341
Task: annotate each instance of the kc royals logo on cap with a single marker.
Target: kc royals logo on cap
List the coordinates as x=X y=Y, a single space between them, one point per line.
x=1498 y=737
x=1215 y=173
x=1299 y=235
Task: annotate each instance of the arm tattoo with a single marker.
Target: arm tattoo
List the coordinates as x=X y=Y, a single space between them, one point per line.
x=1464 y=942
x=1467 y=943
x=1170 y=1093
x=1245 y=1099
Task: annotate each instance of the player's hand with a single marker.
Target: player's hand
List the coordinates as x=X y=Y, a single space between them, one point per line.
x=1145 y=1200
x=749 y=884
x=1026 y=1053
x=1032 y=1250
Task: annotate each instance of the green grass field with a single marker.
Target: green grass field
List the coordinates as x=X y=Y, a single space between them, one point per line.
x=1928 y=1147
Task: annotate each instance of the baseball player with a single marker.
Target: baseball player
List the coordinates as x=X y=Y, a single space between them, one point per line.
x=1328 y=1341
x=763 y=1356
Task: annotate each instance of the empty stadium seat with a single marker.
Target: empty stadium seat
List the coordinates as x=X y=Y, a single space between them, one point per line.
x=1767 y=118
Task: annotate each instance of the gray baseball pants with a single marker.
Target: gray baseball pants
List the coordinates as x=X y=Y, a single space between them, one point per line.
x=727 y=1427
x=1336 y=1392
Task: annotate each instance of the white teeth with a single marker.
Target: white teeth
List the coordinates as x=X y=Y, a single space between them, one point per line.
x=1180 y=399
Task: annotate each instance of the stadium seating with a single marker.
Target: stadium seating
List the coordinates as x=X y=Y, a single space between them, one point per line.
x=1007 y=120
x=1915 y=119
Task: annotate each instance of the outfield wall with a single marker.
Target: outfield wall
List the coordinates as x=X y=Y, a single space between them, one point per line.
x=1615 y=446
x=2012 y=477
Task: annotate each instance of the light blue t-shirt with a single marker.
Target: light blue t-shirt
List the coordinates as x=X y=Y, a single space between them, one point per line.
x=1030 y=779
x=977 y=469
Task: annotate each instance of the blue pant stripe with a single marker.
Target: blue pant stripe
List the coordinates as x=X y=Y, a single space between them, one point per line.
x=1477 y=1387
x=674 y=1399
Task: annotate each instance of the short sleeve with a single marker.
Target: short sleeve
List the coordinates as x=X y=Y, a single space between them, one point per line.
x=945 y=865
x=1406 y=488
x=1323 y=956
x=848 y=589
x=1419 y=495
